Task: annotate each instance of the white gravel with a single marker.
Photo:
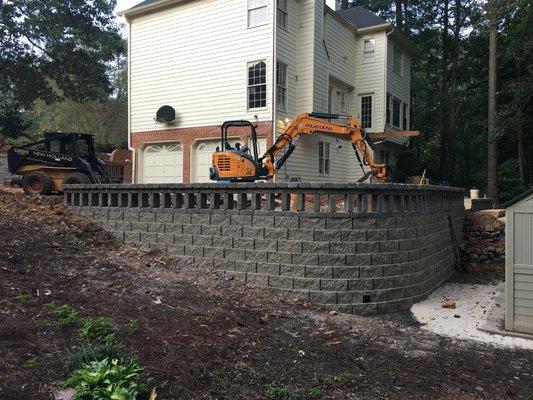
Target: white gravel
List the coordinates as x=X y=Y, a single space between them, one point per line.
x=473 y=304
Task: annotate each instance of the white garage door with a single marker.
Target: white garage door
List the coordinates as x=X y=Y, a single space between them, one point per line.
x=163 y=163
x=202 y=158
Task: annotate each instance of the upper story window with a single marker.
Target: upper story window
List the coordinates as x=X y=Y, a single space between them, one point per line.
x=342 y=101
x=369 y=47
x=404 y=116
x=282 y=13
x=397 y=62
x=257 y=12
x=323 y=158
x=256 y=84
x=396 y=104
x=366 y=111
x=281 y=86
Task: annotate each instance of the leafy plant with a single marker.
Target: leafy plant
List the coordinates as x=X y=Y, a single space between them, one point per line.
x=66 y=314
x=314 y=392
x=98 y=329
x=21 y=299
x=88 y=353
x=30 y=362
x=132 y=325
x=107 y=380
x=278 y=391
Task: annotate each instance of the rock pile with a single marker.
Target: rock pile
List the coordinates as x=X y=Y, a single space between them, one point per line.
x=484 y=237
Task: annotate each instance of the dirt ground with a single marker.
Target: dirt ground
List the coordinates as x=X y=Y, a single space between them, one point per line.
x=207 y=336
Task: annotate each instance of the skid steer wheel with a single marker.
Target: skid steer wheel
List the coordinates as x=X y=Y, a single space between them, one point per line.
x=37 y=183
x=76 y=178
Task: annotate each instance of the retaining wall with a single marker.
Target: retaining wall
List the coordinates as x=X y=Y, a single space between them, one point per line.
x=357 y=248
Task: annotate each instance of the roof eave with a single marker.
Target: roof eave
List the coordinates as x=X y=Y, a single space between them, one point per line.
x=136 y=11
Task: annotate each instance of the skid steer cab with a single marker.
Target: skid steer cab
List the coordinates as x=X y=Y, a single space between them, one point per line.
x=43 y=167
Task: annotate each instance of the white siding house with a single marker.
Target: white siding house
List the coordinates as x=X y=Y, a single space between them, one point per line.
x=265 y=61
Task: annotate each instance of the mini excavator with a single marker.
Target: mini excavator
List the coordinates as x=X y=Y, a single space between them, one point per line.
x=237 y=164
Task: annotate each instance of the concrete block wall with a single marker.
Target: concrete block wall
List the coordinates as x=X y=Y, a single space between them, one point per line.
x=362 y=263
x=5 y=176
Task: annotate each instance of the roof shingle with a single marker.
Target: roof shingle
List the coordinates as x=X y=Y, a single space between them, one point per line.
x=361 y=18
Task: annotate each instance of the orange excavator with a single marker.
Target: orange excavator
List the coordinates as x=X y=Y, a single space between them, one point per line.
x=237 y=164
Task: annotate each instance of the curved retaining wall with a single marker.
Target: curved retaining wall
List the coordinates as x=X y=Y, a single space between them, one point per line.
x=374 y=249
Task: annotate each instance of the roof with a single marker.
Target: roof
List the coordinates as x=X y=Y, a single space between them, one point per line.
x=142 y=4
x=361 y=18
x=521 y=196
x=145 y=6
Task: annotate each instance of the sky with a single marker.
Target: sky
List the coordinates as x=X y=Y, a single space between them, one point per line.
x=124 y=5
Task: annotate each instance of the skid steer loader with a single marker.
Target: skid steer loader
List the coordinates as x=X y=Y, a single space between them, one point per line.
x=44 y=166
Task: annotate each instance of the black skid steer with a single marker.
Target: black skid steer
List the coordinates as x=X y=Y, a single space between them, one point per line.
x=44 y=166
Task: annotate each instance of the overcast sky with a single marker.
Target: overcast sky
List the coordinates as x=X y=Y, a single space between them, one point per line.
x=124 y=5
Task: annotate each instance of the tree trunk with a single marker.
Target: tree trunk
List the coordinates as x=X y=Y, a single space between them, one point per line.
x=399 y=14
x=443 y=111
x=492 y=140
x=454 y=101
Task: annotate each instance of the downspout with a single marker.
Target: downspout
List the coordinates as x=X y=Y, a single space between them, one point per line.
x=134 y=156
x=274 y=60
x=385 y=78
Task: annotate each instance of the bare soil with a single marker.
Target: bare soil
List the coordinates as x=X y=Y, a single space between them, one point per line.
x=208 y=336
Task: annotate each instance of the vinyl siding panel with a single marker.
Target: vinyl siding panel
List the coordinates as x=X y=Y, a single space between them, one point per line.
x=519 y=267
x=202 y=77
x=370 y=78
x=341 y=47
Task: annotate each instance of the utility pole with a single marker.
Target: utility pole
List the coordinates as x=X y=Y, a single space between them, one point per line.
x=492 y=139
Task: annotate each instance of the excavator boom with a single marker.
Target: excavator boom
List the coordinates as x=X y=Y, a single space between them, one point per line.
x=236 y=165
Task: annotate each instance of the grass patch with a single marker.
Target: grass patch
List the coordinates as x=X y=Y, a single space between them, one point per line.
x=65 y=314
x=89 y=353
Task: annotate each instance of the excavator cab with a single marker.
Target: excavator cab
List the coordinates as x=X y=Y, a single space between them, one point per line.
x=236 y=163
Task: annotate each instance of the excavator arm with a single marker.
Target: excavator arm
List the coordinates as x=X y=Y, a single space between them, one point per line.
x=312 y=123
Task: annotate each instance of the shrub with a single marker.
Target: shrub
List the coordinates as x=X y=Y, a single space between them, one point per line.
x=107 y=380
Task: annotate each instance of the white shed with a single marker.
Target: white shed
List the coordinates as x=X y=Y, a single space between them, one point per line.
x=519 y=264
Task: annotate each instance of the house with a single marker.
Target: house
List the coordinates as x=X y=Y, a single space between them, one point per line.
x=265 y=61
x=519 y=264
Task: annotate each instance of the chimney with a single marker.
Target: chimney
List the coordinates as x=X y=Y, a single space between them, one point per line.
x=334 y=4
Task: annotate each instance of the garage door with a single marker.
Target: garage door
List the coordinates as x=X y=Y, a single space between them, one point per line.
x=202 y=158
x=163 y=163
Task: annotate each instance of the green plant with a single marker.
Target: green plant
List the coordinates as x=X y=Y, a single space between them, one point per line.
x=278 y=391
x=30 y=362
x=98 y=329
x=177 y=376
x=107 y=380
x=88 y=353
x=340 y=379
x=21 y=299
x=66 y=314
x=314 y=392
x=132 y=325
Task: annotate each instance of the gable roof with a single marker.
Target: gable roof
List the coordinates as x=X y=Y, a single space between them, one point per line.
x=146 y=5
x=361 y=18
x=521 y=196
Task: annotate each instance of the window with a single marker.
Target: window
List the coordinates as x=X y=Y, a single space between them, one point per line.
x=396 y=60
x=257 y=12
x=404 y=116
x=388 y=108
x=256 y=84
x=281 y=86
x=368 y=50
x=396 y=104
x=282 y=14
x=366 y=111
x=323 y=158
x=342 y=101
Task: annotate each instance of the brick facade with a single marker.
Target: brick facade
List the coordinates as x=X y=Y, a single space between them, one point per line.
x=187 y=138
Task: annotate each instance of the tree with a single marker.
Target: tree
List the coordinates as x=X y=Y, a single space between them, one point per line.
x=57 y=49
x=492 y=146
